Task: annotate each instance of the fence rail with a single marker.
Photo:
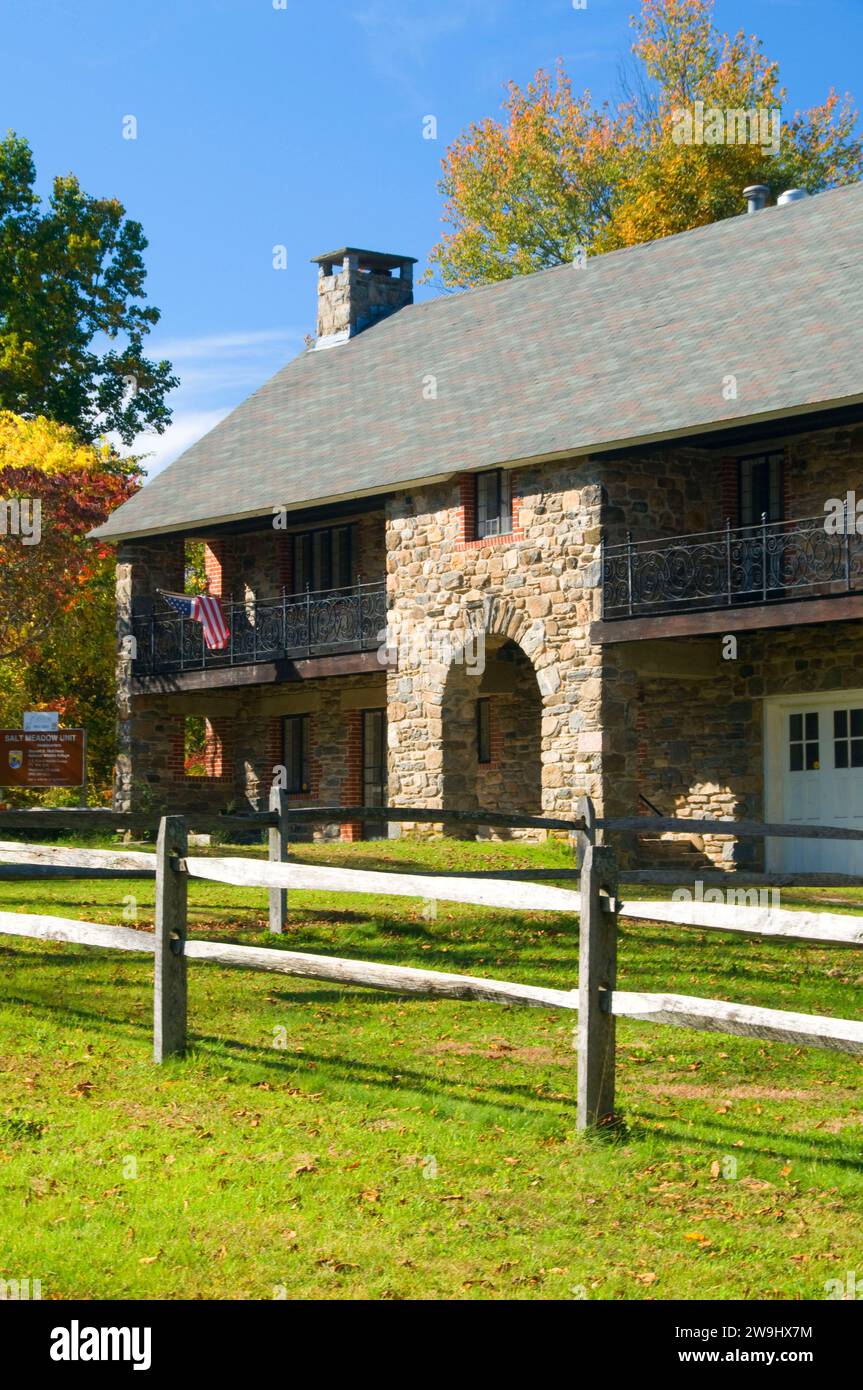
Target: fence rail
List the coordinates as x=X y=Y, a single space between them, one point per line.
x=596 y=1000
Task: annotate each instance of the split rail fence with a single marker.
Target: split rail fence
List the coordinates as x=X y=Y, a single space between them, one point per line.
x=596 y=1000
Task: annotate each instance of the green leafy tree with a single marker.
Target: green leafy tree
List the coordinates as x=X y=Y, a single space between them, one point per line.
x=72 y=279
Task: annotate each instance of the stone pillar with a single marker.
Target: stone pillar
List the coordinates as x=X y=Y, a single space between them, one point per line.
x=143 y=566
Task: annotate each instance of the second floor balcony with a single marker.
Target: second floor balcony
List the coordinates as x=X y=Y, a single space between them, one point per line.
x=772 y=562
x=328 y=622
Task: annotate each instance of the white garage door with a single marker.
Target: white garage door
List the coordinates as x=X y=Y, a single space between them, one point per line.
x=815 y=777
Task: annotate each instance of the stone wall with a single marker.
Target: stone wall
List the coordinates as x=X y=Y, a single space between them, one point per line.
x=248 y=725
x=691 y=724
x=669 y=720
x=676 y=490
x=824 y=464
x=535 y=589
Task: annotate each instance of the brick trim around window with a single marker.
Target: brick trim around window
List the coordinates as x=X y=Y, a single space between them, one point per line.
x=466 y=538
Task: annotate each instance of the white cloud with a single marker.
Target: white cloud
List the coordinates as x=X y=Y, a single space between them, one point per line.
x=184 y=349
x=156 y=451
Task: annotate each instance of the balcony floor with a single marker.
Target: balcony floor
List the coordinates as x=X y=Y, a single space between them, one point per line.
x=285 y=671
x=783 y=613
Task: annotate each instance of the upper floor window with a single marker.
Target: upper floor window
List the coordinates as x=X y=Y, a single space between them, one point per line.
x=493 y=504
x=760 y=480
x=323 y=559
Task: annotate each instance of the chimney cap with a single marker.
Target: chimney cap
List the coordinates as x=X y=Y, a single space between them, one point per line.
x=367 y=260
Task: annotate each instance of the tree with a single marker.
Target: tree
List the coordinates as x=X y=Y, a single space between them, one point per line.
x=56 y=586
x=556 y=176
x=72 y=271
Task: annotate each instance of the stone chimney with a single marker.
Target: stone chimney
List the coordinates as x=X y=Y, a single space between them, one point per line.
x=356 y=289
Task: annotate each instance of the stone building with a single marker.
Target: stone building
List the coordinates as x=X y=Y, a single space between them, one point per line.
x=592 y=530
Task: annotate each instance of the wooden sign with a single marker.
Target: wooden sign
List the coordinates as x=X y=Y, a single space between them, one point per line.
x=42 y=758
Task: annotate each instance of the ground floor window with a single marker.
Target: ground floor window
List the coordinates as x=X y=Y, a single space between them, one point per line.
x=203 y=747
x=295 y=753
x=374 y=766
x=483 y=731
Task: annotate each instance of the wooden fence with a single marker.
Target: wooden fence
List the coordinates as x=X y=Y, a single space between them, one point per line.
x=596 y=1000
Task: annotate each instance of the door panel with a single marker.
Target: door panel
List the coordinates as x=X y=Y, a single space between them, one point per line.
x=820 y=764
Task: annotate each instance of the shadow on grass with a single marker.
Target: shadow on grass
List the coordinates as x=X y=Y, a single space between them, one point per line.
x=811 y=1147
x=512 y=1096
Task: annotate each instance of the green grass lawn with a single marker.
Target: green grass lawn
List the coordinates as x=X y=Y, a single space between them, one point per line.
x=398 y=1147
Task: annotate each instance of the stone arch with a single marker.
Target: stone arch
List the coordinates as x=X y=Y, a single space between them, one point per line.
x=512 y=777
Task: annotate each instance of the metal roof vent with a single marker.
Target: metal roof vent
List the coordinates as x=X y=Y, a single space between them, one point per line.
x=791 y=195
x=756 y=196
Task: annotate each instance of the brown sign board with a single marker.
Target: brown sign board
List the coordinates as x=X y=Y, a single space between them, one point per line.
x=42 y=758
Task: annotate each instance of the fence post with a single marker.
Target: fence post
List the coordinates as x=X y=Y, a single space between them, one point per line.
x=169 y=994
x=278 y=854
x=586 y=812
x=597 y=960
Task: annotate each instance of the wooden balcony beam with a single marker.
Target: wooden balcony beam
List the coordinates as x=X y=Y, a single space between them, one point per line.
x=748 y=618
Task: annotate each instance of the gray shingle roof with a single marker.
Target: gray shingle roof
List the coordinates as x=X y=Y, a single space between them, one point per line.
x=634 y=345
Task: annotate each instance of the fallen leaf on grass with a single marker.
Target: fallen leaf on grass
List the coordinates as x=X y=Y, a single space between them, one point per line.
x=305 y=1163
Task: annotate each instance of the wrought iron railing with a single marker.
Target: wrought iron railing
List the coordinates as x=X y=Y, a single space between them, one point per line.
x=737 y=565
x=320 y=623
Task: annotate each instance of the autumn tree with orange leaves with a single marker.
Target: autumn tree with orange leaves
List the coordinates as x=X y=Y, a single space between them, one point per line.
x=56 y=585
x=557 y=176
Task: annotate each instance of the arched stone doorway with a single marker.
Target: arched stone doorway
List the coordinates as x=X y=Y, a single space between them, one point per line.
x=492 y=736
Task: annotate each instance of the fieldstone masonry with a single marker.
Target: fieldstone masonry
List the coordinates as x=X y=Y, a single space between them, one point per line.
x=669 y=720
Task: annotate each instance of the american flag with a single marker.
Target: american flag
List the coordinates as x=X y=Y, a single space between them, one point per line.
x=204 y=609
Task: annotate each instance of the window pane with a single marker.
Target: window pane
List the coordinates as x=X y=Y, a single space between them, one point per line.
x=302 y=561
x=840 y=723
x=796 y=763
x=296 y=752
x=840 y=753
x=492 y=504
x=342 y=558
x=812 y=726
x=374 y=765
x=857 y=752
x=488 y=504
x=811 y=757
x=483 y=731
x=856 y=723
x=796 y=726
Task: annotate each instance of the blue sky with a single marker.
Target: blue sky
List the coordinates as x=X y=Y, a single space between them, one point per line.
x=302 y=126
